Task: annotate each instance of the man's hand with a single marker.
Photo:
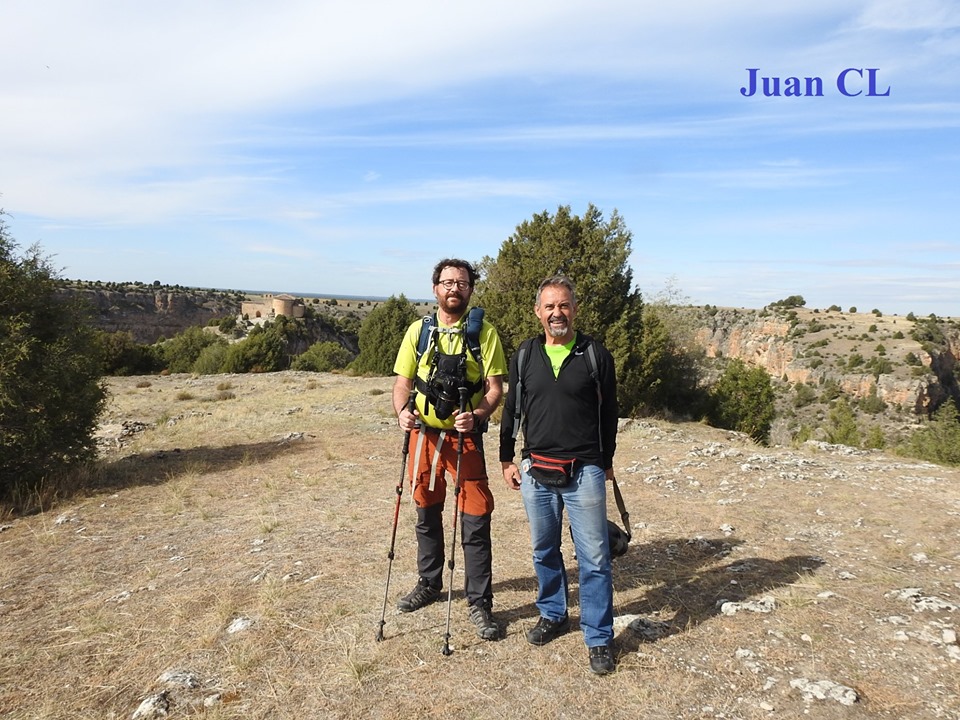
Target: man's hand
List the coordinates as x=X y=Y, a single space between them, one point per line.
x=511 y=475
x=465 y=422
x=407 y=419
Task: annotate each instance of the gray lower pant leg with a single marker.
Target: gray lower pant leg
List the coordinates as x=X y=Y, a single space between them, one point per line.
x=477 y=558
x=430 y=555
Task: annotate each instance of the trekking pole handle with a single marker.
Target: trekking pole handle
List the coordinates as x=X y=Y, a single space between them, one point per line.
x=410 y=406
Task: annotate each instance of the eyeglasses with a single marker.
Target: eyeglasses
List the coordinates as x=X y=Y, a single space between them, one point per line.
x=450 y=284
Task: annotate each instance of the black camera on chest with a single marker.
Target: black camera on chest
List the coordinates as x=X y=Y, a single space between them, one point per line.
x=443 y=386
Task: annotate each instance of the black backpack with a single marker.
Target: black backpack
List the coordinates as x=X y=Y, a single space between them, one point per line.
x=471 y=327
x=447 y=376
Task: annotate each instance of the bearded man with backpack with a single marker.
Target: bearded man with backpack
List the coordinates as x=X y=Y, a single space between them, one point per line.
x=450 y=370
x=563 y=392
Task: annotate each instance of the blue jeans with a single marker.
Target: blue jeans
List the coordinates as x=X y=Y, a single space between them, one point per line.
x=586 y=500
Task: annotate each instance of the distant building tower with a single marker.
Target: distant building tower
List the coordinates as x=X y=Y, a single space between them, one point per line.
x=271 y=306
x=288 y=306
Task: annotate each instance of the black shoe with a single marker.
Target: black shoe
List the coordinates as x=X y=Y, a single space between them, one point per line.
x=421 y=596
x=481 y=617
x=601 y=660
x=546 y=630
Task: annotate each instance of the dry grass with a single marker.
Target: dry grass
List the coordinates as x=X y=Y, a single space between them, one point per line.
x=275 y=506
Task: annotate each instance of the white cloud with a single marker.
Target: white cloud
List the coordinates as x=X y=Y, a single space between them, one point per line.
x=278 y=251
x=303 y=120
x=894 y=15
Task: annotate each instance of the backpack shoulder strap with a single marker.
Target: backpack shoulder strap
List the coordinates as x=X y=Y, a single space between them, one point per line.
x=471 y=334
x=591 y=355
x=427 y=326
x=518 y=397
x=472 y=326
x=594 y=372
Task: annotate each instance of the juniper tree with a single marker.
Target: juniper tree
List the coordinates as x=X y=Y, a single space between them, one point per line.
x=652 y=370
x=380 y=335
x=51 y=393
x=743 y=400
x=323 y=357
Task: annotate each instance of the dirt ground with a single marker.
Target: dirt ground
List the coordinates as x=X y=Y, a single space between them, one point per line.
x=231 y=561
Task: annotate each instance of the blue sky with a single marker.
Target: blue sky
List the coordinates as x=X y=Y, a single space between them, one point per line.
x=343 y=148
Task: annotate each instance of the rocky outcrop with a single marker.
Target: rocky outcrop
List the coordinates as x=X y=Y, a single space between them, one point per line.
x=780 y=344
x=748 y=337
x=151 y=315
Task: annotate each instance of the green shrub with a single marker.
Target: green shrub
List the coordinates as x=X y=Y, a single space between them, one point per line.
x=743 y=400
x=875 y=439
x=51 y=393
x=380 y=336
x=803 y=395
x=211 y=359
x=842 y=425
x=180 y=352
x=939 y=440
x=879 y=366
x=830 y=390
x=227 y=325
x=854 y=361
x=121 y=355
x=260 y=352
x=872 y=403
x=928 y=333
x=793 y=301
x=323 y=357
x=804 y=433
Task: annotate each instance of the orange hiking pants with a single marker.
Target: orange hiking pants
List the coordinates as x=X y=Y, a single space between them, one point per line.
x=426 y=464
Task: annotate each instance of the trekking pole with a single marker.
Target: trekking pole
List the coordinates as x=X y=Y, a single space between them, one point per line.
x=411 y=405
x=456 y=512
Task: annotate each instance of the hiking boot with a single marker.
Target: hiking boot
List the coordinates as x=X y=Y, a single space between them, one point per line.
x=601 y=660
x=546 y=630
x=421 y=596
x=482 y=618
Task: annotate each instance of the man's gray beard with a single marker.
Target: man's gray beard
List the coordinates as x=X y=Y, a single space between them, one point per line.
x=557 y=331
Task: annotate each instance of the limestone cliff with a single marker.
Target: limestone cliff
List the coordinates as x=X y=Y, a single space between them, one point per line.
x=149 y=315
x=863 y=353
